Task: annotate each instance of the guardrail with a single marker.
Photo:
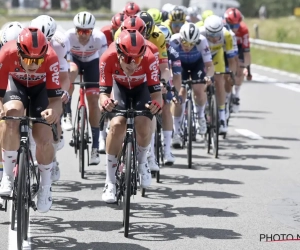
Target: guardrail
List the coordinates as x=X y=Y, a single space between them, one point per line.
x=283 y=46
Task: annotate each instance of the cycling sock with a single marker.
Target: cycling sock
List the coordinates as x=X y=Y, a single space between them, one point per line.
x=45 y=172
x=95 y=135
x=167 y=141
x=111 y=163
x=200 y=111
x=1 y=170
x=228 y=97
x=176 y=124
x=152 y=150
x=103 y=132
x=9 y=161
x=68 y=106
x=222 y=112
x=32 y=145
x=142 y=154
x=237 y=91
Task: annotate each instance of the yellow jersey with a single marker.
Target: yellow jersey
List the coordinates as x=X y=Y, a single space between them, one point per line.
x=167 y=23
x=158 y=39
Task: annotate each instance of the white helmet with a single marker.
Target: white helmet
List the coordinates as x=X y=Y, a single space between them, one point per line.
x=190 y=32
x=84 y=20
x=11 y=32
x=46 y=24
x=213 y=25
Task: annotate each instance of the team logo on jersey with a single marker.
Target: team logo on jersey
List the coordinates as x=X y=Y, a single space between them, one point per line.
x=206 y=49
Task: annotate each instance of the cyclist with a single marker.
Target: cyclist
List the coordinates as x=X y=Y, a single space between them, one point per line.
x=61 y=45
x=217 y=36
x=156 y=15
x=134 y=69
x=131 y=9
x=234 y=19
x=87 y=45
x=110 y=29
x=176 y=20
x=204 y=15
x=168 y=121
x=195 y=57
x=193 y=14
x=30 y=65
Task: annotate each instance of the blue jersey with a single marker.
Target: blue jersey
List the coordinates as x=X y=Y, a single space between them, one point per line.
x=174 y=61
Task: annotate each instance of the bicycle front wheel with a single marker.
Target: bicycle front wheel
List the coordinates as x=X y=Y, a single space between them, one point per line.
x=82 y=143
x=21 y=224
x=190 y=133
x=126 y=203
x=215 y=124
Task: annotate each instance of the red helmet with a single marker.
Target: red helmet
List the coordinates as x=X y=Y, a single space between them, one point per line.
x=233 y=16
x=131 y=43
x=131 y=9
x=32 y=43
x=117 y=20
x=135 y=23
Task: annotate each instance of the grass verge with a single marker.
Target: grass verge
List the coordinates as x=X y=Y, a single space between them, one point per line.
x=274 y=59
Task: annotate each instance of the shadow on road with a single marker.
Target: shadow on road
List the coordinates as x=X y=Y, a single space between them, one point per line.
x=254 y=112
x=148 y=231
x=161 y=210
x=67 y=186
x=57 y=243
x=215 y=166
x=72 y=204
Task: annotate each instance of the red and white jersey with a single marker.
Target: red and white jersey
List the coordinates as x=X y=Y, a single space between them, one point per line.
x=61 y=45
x=242 y=37
x=110 y=69
x=107 y=31
x=10 y=66
x=95 y=47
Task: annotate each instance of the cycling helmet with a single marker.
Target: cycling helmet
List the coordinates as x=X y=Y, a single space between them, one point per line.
x=213 y=25
x=193 y=11
x=166 y=32
x=131 y=9
x=190 y=33
x=130 y=43
x=134 y=23
x=147 y=18
x=10 y=32
x=46 y=24
x=233 y=16
x=206 y=14
x=117 y=20
x=84 y=20
x=177 y=15
x=156 y=15
x=32 y=43
x=168 y=7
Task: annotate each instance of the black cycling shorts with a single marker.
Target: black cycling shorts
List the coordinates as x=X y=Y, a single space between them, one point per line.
x=90 y=71
x=195 y=71
x=140 y=95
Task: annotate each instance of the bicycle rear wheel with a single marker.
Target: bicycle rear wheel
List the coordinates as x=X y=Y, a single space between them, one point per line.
x=82 y=141
x=13 y=206
x=190 y=132
x=215 y=126
x=21 y=199
x=127 y=193
x=158 y=149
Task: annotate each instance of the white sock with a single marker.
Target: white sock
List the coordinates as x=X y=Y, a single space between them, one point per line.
x=222 y=114
x=142 y=154
x=200 y=111
x=167 y=141
x=102 y=135
x=228 y=97
x=111 y=163
x=152 y=148
x=1 y=170
x=237 y=91
x=45 y=172
x=9 y=161
x=32 y=145
x=176 y=124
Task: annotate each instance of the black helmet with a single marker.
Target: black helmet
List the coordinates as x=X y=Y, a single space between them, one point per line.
x=147 y=18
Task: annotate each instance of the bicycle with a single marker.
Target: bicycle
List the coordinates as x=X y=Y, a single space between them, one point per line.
x=26 y=179
x=80 y=133
x=127 y=175
x=188 y=124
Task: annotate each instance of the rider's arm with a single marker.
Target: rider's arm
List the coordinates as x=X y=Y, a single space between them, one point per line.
x=246 y=47
x=176 y=67
x=105 y=79
x=206 y=56
x=230 y=51
x=4 y=70
x=102 y=43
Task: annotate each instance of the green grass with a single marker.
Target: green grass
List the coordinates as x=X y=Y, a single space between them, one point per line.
x=285 y=29
x=274 y=59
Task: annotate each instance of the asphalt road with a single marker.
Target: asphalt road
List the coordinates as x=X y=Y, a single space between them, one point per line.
x=226 y=203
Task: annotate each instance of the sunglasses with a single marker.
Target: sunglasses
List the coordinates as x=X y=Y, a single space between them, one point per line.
x=218 y=34
x=130 y=59
x=29 y=61
x=187 y=44
x=84 y=31
x=234 y=26
x=177 y=24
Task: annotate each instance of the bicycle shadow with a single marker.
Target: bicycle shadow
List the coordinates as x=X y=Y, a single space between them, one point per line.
x=68 y=186
x=166 y=193
x=151 y=231
x=161 y=210
x=254 y=112
x=215 y=166
x=52 y=225
x=59 y=242
x=232 y=156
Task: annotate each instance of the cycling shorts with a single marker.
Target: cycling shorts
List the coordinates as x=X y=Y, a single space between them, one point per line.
x=219 y=61
x=195 y=71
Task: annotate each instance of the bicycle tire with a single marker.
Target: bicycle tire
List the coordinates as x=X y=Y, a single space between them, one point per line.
x=158 y=149
x=27 y=199
x=82 y=113
x=126 y=204
x=190 y=133
x=215 y=123
x=20 y=198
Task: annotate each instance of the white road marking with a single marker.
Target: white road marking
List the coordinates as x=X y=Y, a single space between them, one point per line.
x=249 y=134
x=281 y=72
x=12 y=239
x=290 y=86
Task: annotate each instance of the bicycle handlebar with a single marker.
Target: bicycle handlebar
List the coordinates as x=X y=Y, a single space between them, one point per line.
x=36 y=119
